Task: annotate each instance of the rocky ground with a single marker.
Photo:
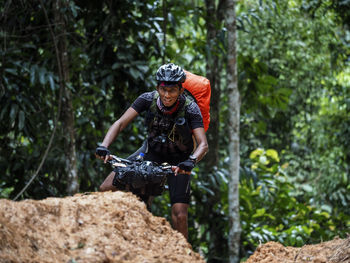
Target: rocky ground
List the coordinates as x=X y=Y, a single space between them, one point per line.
x=116 y=227
x=94 y=227
x=335 y=251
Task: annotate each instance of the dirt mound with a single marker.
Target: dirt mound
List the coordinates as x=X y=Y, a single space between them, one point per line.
x=335 y=251
x=97 y=227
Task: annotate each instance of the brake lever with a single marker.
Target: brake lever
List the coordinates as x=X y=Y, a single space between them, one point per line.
x=122 y=160
x=118 y=162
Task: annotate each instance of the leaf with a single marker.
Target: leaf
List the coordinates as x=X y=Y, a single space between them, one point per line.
x=259 y=212
x=5 y=192
x=160 y=37
x=51 y=81
x=32 y=74
x=117 y=65
x=256 y=153
x=141 y=47
x=11 y=71
x=4 y=110
x=307 y=188
x=73 y=8
x=223 y=177
x=263 y=160
x=206 y=189
x=42 y=74
x=143 y=68
x=326 y=208
x=273 y=155
x=135 y=73
x=13 y=113
x=21 y=119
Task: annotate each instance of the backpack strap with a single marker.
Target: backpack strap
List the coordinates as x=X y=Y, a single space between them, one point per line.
x=189 y=95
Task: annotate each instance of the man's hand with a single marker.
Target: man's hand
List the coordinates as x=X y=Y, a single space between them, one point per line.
x=102 y=153
x=186 y=166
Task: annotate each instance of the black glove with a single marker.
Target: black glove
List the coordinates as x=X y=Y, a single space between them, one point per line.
x=187 y=165
x=102 y=151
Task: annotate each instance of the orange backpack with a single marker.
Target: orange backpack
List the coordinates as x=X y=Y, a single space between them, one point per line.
x=199 y=87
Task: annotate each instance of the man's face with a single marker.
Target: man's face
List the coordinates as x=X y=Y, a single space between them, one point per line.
x=169 y=94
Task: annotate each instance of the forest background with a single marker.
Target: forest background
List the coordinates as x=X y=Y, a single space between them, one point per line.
x=69 y=69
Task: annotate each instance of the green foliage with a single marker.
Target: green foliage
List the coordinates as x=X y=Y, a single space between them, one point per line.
x=293 y=79
x=208 y=224
x=284 y=61
x=273 y=210
x=310 y=128
x=320 y=155
x=109 y=67
x=5 y=191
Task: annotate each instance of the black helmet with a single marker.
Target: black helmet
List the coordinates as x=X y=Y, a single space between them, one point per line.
x=170 y=73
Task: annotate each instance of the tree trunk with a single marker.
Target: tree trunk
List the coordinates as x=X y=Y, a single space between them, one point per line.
x=68 y=111
x=212 y=157
x=234 y=104
x=214 y=22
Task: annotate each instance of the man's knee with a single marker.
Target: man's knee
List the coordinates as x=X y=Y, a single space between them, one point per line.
x=180 y=211
x=103 y=188
x=181 y=217
x=107 y=185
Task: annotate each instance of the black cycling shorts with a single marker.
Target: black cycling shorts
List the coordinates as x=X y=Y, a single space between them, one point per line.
x=179 y=188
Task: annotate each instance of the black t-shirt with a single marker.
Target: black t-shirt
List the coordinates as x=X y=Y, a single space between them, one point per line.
x=193 y=117
x=193 y=113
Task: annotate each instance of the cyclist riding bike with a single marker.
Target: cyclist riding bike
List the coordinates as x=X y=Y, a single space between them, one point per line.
x=176 y=136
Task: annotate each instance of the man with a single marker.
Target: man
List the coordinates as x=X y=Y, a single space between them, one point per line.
x=173 y=121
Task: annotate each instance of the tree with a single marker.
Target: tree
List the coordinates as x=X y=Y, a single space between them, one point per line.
x=214 y=20
x=289 y=54
x=71 y=169
x=106 y=62
x=234 y=104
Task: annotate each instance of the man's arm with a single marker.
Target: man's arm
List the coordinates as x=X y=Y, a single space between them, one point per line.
x=202 y=144
x=117 y=127
x=201 y=150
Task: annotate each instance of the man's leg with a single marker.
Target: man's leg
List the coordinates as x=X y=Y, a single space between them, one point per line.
x=179 y=190
x=179 y=215
x=107 y=185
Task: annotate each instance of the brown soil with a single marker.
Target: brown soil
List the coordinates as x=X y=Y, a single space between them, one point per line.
x=335 y=251
x=96 y=227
